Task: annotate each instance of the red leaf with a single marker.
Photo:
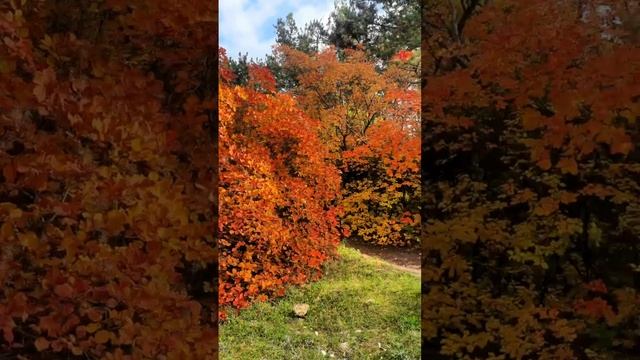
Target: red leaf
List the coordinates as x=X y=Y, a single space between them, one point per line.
x=64 y=290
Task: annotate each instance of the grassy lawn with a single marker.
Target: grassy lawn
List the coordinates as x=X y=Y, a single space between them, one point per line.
x=361 y=309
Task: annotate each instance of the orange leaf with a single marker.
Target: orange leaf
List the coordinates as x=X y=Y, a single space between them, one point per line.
x=621 y=147
x=102 y=336
x=64 y=290
x=546 y=206
x=41 y=344
x=544 y=160
x=596 y=286
x=568 y=165
x=531 y=120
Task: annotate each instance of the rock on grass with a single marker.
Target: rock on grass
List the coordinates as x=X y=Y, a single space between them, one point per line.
x=300 y=310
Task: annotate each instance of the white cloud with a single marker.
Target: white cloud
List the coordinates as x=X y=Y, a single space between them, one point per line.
x=307 y=12
x=246 y=26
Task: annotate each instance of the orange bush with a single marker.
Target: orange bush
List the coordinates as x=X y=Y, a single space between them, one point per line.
x=277 y=220
x=382 y=187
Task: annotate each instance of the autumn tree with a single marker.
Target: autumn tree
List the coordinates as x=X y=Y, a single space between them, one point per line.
x=369 y=120
x=308 y=38
x=106 y=212
x=348 y=96
x=530 y=168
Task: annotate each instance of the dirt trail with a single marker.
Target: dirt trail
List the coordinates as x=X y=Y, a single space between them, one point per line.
x=407 y=260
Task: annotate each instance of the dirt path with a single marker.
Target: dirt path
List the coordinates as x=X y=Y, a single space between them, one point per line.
x=400 y=258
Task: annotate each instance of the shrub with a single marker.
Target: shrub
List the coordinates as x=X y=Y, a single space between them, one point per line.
x=382 y=187
x=277 y=219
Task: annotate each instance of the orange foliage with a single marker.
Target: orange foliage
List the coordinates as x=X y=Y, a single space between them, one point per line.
x=260 y=78
x=532 y=110
x=403 y=55
x=382 y=187
x=277 y=219
x=105 y=193
x=369 y=119
x=348 y=96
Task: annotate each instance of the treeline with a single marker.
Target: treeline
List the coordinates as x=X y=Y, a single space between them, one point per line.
x=381 y=28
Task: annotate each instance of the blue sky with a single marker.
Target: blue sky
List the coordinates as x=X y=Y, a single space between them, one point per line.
x=247 y=25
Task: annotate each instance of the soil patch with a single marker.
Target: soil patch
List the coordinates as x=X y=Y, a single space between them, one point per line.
x=406 y=259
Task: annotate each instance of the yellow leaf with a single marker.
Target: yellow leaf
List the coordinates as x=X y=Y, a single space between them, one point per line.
x=568 y=165
x=15 y=214
x=136 y=145
x=30 y=240
x=102 y=336
x=98 y=220
x=97 y=124
x=546 y=206
x=6 y=230
x=93 y=327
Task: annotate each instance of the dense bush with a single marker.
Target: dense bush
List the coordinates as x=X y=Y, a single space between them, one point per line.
x=369 y=120
x=382 y=187
x=277 y=192
x=105 y=194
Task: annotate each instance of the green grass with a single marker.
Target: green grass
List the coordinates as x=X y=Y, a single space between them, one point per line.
x=362 y=302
